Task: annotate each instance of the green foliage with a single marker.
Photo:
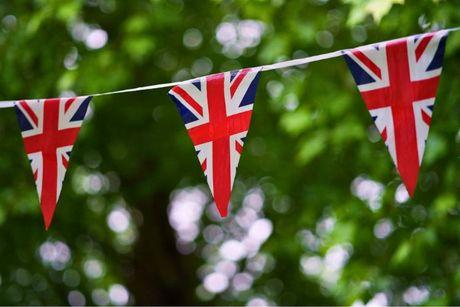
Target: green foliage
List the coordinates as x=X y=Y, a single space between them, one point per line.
x=311 y=152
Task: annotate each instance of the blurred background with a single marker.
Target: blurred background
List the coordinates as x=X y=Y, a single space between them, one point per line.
x=318 y=213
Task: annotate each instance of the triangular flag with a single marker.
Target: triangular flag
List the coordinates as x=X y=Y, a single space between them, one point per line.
x=217 y=113
x=398 y=81
x=49 y=130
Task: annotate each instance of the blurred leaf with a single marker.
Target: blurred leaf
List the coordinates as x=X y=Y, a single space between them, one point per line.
x=296 y=122
x=311 y=147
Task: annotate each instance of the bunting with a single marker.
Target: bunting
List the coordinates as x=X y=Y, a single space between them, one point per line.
x=49 y=130
x=398 y=81
x=216 y=111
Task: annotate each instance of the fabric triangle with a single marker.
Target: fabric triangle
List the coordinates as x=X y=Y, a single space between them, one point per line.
x=49 y=128
x=398 y=81
x=216 y=111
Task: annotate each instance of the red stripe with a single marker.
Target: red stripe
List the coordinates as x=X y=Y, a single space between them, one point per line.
x=384 y=135
x=383 y=97
x=238 y=147
x=426 y=118
x=212 y=131
x=49 y=184
x=65 y=162
x=192 y=102
x=68 y=103
x=426 y=88
x=204 y=165
x=404 y=94
x=422 y=46
x=236 y=82
x=221 y=146
x=40 y=142
x=366 y=61
x=29 y=112
x=376 y=99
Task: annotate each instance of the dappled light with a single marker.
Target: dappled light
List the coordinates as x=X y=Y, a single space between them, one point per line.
x=319 y=212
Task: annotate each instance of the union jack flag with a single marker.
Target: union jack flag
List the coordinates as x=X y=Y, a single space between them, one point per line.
x=217 y=113
x=49 y=130
x=398 y=81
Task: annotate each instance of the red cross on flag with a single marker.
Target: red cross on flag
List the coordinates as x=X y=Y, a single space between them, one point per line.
x=398 y=81
x=49 y=130
x=217 y=113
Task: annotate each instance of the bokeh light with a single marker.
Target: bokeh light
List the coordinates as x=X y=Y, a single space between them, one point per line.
x=118 y=294
x=57 y=254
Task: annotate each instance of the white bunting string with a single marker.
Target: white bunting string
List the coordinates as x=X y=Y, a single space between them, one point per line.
x=279 y=65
